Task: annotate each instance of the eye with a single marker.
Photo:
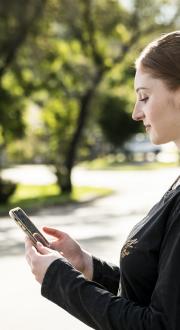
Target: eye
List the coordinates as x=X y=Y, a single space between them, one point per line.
x=144 y=99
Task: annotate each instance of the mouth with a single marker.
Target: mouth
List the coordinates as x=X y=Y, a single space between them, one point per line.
x=147 y=127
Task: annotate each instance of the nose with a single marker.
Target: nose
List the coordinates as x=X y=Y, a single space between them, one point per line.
x=137 y=114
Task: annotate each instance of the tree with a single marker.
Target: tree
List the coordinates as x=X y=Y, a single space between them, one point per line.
x=16 y=20
x=82 y=48
x=93 y=37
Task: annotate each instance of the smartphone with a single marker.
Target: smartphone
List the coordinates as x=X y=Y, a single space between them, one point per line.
x=28 y=226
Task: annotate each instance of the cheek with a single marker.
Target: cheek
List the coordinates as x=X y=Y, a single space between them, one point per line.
x=155 y=111
x=174 y=105
x=151 y=110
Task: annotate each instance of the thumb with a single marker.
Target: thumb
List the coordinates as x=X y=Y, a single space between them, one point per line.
x=42 y=249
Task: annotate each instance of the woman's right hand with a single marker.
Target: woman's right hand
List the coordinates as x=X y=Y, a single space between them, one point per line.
x=71 y=250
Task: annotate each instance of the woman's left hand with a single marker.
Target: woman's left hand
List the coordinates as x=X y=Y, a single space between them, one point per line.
x=39 y=258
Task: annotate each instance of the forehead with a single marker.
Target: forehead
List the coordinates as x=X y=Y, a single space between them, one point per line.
x=143 y=80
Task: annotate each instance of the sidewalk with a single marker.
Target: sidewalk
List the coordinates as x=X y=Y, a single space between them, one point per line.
x=100 y=226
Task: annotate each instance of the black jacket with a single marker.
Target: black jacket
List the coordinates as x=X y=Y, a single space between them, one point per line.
x=144 y=293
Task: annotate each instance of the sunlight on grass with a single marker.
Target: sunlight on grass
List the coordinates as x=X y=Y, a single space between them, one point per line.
x=33 y=191
x=111 y=163
x=38 y=196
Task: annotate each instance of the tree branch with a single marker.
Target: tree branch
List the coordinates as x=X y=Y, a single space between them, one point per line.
x=89 y=22
x=20 y=38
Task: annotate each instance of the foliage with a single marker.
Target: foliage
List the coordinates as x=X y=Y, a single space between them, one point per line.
x=16 y=20
x=7 y=189
x=115 y=120
x=61 y=55
x=12 y=105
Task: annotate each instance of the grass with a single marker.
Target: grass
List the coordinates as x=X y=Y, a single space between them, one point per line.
x=33 y=197
x=112 y=163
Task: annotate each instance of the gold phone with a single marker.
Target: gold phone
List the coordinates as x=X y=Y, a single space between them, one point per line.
x=28 y=226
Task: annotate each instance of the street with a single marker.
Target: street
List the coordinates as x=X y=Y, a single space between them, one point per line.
x=101 y=226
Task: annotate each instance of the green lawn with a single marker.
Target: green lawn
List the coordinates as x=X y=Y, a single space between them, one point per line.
x=111 y=163
x=33 y=197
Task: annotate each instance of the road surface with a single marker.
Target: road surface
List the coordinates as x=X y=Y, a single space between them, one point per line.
x=101 y=226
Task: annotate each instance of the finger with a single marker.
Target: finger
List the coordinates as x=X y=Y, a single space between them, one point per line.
x=55 y=245
x=35 y=251
x=31 y=254
x=42 y=249
x=54 y=232
x=28 y=243
x=41 y=239
x=27 y=239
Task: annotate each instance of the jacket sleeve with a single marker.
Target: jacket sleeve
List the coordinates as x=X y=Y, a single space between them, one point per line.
x=100 y=309
x=106 y=274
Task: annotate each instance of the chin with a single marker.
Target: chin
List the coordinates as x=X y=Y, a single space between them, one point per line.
x=157 y=140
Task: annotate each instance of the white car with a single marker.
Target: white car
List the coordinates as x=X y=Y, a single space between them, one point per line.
x=140 y=145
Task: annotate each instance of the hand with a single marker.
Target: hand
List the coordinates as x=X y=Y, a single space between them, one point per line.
x=72 y=251
x=39 y=258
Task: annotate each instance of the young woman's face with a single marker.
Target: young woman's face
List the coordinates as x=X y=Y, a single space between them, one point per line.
x=158 y=108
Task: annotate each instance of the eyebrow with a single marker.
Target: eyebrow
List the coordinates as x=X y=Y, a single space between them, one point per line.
x=137 y=90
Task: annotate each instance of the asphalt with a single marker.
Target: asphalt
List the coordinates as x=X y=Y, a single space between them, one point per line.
x=101 y=226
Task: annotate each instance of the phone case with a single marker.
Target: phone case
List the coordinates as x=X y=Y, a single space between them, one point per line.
x=27 y=226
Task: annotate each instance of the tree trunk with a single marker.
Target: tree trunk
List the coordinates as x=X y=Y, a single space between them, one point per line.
x=63 y=171
x=63 y=179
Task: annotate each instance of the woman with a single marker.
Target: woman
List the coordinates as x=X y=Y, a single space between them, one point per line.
x=144 y=293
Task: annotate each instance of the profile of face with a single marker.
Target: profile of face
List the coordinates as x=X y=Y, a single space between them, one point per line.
x=157 y=107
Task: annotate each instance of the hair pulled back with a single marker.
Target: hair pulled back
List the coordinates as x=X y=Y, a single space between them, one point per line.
x=161 y=58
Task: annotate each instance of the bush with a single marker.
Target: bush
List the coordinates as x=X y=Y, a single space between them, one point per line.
x=7 y=189
x=115 y=121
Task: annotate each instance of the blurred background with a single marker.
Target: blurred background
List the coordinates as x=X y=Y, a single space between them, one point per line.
x=70 y=154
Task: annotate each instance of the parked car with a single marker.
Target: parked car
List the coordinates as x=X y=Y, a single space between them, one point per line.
x=139 y=147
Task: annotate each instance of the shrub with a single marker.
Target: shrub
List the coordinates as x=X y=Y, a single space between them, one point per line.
x=7 y=189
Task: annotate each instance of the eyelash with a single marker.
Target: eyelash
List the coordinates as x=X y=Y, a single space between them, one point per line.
x=144 y=99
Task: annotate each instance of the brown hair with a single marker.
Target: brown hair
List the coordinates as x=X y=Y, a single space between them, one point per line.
x=161 y=58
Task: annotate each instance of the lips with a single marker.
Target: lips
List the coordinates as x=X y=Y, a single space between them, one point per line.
x=147 y=127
